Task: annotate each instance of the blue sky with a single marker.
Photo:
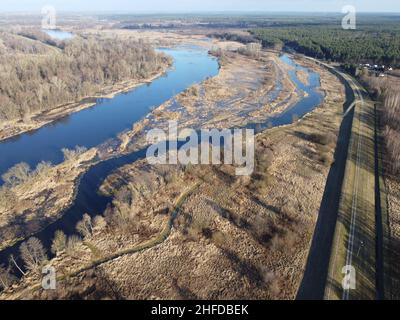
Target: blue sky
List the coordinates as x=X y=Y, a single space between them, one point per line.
x=141 y=6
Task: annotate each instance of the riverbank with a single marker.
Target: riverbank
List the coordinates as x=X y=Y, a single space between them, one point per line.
x=29 y=207
x=236 y=97
x=12 y=129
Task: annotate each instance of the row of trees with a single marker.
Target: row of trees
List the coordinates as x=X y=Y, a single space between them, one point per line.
x=22 y=172
x=33 y=82
x=387 y=91
x=333 y=43
x=11 y=44
x=391 y=119
x=234 y=36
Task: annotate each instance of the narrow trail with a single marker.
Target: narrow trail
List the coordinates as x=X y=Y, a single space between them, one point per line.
x=159 y=239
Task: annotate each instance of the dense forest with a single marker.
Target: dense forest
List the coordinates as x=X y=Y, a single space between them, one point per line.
x=38 y=74
x=376 y=45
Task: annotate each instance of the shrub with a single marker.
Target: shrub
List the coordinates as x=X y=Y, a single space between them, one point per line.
x=59 y=242
x=322 y=139
x=7 y=198
x=70 y=154
x=85 y=227
x=73 y=243
x=99 y=223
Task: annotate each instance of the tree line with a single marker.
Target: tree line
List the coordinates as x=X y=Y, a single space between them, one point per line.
x=376 y=45
x=37 y=76
x=388 y=93
x=391 y=133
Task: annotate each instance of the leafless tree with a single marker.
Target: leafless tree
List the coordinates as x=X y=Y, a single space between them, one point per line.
x=42 y=168
x=12 y=261
x=39 y=74
x=6 y=277
x=17 y=174
x=73 y=153
x=85 y=226
x=33 y=254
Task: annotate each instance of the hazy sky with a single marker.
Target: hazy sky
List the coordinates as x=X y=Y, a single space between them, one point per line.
x=200 y=5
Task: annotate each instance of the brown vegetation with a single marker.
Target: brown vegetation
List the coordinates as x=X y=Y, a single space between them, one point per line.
x=31 y=199
x=35 y=77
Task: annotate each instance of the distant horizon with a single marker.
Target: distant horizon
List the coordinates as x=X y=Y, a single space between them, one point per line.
x=226 y=12
x=199 y=6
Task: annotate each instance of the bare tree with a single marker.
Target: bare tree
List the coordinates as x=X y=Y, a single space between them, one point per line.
x=33 y=254
x=85 y=227
x=12 y=260
x=42 y=168
x=34 y=78
x=59 y=242
x=17 y=174
x=6 y=277
x=73 y=153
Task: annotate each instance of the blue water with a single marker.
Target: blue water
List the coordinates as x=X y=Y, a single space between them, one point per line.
x=108 y=117
x=59 y=34
x=305 y=105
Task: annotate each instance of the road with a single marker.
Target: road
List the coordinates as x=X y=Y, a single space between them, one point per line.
x=346 y=255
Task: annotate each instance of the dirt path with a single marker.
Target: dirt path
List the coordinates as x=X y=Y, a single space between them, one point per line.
x=163 y=236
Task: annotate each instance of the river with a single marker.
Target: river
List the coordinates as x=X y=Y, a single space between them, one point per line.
x=92 y=126
x=107 y=118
